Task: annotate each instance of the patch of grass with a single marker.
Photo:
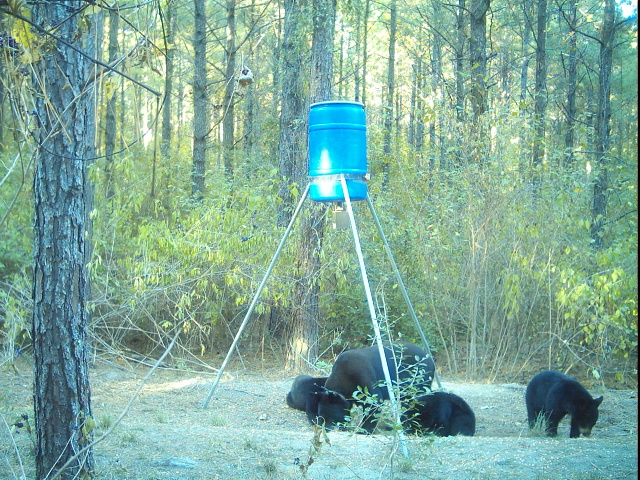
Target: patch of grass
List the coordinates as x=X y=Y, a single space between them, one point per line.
x=250 y=445
x=217 y=421
x=104 y=422
x=404 y=465
x=270 y=467
x=160 y=417
x=128 y=438
x=539 y=428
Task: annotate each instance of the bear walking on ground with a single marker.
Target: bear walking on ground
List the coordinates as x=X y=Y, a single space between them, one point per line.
x=303 y=387
x=440 y=413
x=361 y=369
x=553 y=395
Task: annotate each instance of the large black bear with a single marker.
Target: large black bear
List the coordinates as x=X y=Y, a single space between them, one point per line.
x=362 y=369
x=298 y=397
x=553 y=395
x=440 y=413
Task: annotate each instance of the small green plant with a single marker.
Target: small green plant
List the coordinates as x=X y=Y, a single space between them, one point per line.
x=270 y=467
x=160 y=417
x=217 y=421
x=128 y=438
x=320 y=437
x=539 y=427
x=104 y=422
x=250 y=444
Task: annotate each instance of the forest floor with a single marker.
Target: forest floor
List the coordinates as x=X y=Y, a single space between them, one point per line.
x=248 y=432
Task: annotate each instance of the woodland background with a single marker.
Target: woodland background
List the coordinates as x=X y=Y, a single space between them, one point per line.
x=502 y=145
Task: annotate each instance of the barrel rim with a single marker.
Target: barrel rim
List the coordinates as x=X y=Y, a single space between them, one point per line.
x=335 y=102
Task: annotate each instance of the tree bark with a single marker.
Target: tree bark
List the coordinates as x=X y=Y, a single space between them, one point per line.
x=603 y=127
x=478 y=57
x=110 y=119
x=167 y=120
x=524 y=70
x=228 y=121
x=293 y=122
x=391 y=87
x=540 y=106
x=571 y=110
x=461 y=41
x=61 y=285
x=365 y=49
x=250 y=133
x=200 y=103
x=302 y=345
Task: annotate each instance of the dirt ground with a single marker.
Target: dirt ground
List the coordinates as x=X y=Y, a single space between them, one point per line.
x=248 y=432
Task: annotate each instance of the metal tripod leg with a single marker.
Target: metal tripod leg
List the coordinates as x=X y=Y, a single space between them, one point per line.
x=402 y=287
x=256 y=296
x=376 y=328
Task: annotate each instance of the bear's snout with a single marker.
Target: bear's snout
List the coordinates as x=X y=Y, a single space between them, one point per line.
x=585 y=431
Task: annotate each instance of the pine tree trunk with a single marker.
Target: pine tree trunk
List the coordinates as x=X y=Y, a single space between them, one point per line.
x=200 y=102
x=391 y=87
x=540 y=107
x=603 y=127
x=365 y=49
x=167 y=119
x=228 y=121
x=302 y=345
x=572 y=83
x=293 y=122
x=61 y=289
x=110 y=118
x=461 y=15
x=478 y=56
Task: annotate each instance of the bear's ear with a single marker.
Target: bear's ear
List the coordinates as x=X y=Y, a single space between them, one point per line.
x=331 y=396
x=598 y=400
x=334 y=397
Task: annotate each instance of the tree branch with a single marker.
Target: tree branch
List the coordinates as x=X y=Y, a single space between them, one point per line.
x=97 y=62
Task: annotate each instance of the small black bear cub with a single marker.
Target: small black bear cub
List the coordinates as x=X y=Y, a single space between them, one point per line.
x=553 y=395
x=440 y=413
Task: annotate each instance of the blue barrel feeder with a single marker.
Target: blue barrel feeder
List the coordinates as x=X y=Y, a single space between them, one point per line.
x=337 y=146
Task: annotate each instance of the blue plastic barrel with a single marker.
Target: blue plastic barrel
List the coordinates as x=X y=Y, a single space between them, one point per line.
x=337 y=145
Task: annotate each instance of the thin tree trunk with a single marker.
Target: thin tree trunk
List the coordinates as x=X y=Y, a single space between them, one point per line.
x=524 y=70
x=365 y=46
x=360 y=32
x=293 y=122
x=62 y=246
x=228 y=121
x=435 y=150
x=460 y=75
x=110 y=120
x=603 y=127
x=200 y=103
x=250 y=119
x=540 y=108
x=461 y=41
x=414 y=101
x=167 y=119
x=391 y=86
x=478 y=57
x=572 y=74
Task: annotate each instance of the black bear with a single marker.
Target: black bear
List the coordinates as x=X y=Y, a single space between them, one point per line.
x=298 y=397
x=440 y=413
x=361 y=369
x=553 y=395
